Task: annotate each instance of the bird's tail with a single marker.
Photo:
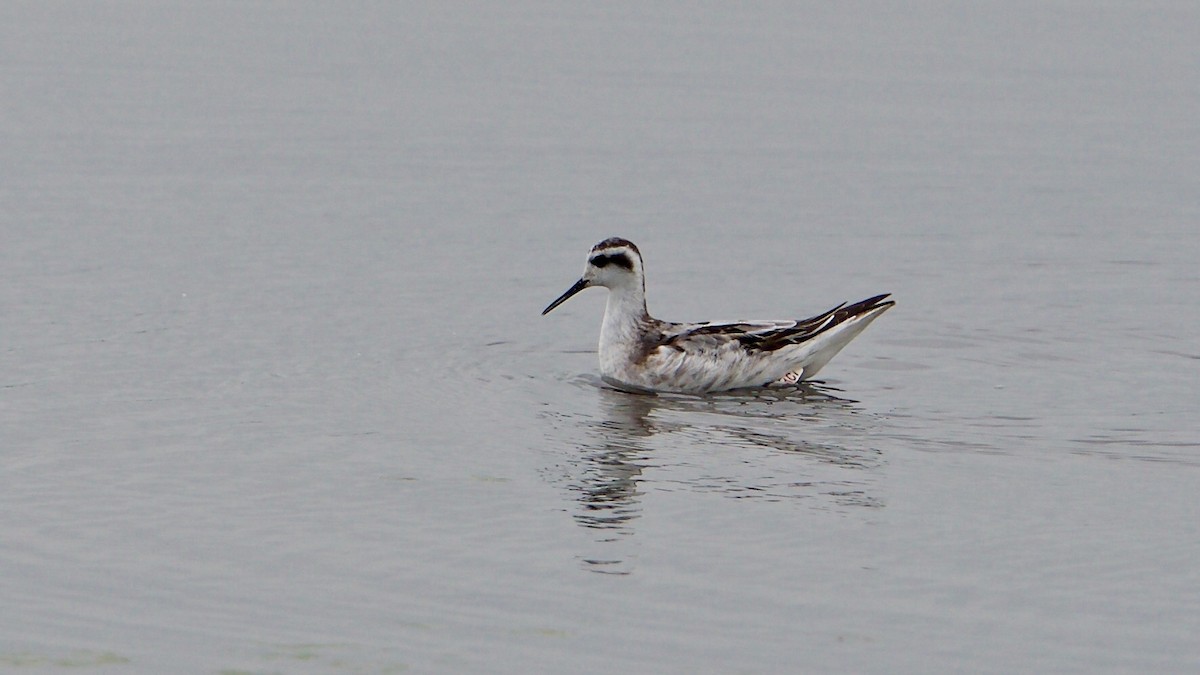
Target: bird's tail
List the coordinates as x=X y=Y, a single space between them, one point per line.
x=843 y=325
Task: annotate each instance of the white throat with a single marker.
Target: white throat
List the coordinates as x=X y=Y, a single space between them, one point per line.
x=624 y=314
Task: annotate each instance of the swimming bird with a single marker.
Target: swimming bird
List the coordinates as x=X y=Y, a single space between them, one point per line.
x=641 y=353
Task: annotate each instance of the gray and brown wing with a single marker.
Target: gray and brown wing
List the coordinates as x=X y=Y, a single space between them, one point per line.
x=764 y=335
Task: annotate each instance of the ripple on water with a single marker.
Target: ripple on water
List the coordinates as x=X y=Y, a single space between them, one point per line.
x=613 y=453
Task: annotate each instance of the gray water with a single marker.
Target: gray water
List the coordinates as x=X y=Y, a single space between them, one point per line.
x=275 y=395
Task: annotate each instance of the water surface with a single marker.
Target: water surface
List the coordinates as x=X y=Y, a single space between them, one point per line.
x=276 y=396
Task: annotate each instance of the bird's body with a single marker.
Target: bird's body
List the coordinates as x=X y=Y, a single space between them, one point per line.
x=642 y=353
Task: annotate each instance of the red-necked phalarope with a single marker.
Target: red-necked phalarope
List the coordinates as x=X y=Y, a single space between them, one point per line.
x=642 y=353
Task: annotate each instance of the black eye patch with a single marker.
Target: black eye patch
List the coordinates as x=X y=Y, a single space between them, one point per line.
x=618 y=259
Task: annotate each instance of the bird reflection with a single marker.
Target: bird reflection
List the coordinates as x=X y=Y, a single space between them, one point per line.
x=626 y=439
x=612 y=463
x=608 y=488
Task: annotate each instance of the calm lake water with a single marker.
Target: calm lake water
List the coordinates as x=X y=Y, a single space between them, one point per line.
x=275 y=396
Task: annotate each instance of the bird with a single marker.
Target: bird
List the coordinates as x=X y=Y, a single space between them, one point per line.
x=640 y=353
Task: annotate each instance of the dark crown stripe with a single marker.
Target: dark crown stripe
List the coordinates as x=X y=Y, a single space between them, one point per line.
x=615 y=242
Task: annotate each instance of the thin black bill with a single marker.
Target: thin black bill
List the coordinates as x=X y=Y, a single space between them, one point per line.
x=579 y=286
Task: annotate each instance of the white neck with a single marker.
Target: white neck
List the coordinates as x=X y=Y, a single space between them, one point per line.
x=624 y=313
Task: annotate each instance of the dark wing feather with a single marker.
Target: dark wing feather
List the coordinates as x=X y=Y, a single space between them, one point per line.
x=769 y=335
x=807 y=329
